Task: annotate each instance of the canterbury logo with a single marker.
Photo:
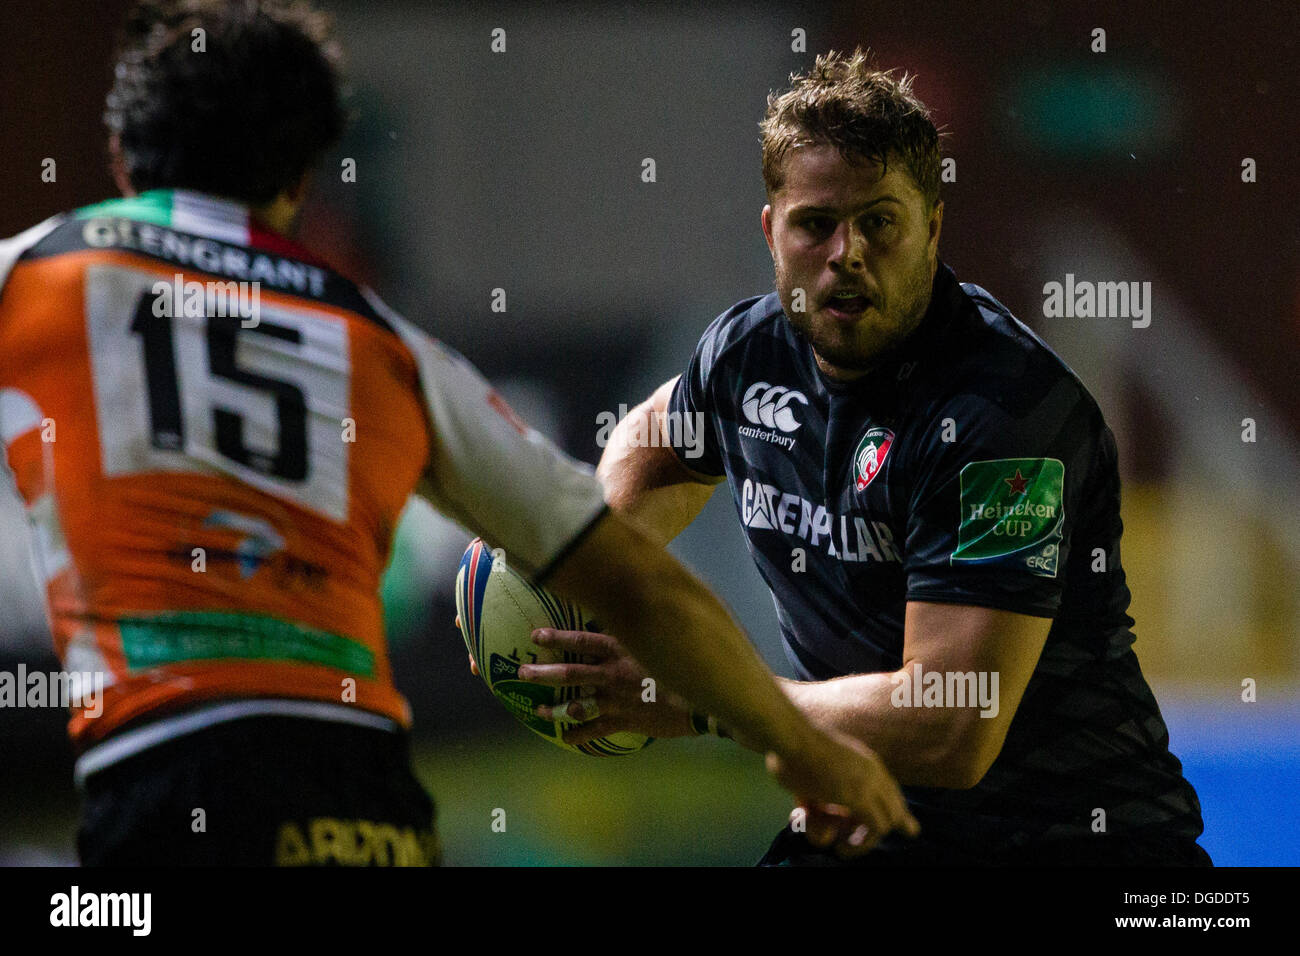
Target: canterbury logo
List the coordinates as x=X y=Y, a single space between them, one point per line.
x=769 y=405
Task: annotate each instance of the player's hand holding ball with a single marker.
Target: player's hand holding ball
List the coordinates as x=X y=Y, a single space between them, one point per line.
x=615 y=694
x=610 y=693
x=548 y=687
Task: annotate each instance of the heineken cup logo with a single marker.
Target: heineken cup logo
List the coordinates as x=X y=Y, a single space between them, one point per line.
x=1012 y=514
x=870 y=455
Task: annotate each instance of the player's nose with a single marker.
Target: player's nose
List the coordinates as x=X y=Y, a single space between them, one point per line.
x=848 y=250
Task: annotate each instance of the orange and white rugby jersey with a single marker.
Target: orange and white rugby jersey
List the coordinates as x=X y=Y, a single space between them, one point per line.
x=214 y=434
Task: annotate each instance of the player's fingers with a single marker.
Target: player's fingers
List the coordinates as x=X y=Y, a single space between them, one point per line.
x=830 y=824
x=563 y=675
x=900 y=817
x=894 y=814
x=878 y=822
x=571 y=711
x=848 y=831
x=820 y=824
x=853 y=833
x=821 y=829
x=859 y=840
x=910 y=824
x=901 y=821
x=881 y=807
x=473 y=666
x=599 y=646
x=579 y=734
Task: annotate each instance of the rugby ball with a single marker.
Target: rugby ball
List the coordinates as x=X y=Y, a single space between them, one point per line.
x=499 y=610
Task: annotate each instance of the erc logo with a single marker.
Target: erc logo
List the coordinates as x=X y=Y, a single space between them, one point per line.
x=870 y=455
x=769 y=405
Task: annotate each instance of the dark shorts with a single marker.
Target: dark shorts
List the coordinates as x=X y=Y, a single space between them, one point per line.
x=792 y=849
x=262 y=791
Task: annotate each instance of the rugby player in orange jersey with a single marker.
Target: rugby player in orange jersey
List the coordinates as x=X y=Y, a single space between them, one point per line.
x=214 y=434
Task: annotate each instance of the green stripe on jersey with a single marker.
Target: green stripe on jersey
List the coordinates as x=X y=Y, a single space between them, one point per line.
x=154 y=206
x=180 y=636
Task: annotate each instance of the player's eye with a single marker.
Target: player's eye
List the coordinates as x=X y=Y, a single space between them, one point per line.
x=879 y=222
x=818 y=225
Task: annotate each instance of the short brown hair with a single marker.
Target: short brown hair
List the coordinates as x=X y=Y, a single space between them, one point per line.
x=244 y=118
x=865 y=113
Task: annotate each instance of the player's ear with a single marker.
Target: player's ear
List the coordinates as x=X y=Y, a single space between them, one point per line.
x=766 y=219
x=935 y=226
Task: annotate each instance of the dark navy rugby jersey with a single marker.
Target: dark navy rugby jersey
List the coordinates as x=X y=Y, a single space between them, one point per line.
x=971 y=467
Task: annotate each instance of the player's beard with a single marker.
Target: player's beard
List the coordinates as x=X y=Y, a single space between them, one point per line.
x=859 y=347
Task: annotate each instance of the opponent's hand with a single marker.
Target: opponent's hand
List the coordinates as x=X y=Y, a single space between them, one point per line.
x=848 y=797
x=612 y=695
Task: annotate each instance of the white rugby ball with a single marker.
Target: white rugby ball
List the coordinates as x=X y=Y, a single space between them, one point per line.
x=499 y=610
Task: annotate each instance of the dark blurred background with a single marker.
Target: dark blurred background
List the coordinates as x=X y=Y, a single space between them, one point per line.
x=522 y=171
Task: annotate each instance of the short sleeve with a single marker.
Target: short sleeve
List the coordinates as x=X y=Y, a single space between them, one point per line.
x=691 y=409
x=991 y=510
x=492 y=473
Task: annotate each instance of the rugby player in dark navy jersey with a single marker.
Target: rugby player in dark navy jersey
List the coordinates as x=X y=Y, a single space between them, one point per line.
x=933 y=498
